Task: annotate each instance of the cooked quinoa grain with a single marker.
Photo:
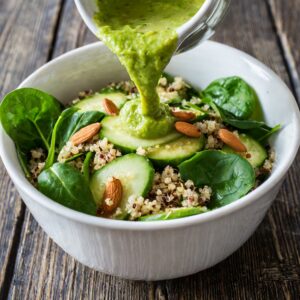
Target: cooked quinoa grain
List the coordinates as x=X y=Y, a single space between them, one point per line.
x=36 y=162
x=168 y=191
x=104 y=152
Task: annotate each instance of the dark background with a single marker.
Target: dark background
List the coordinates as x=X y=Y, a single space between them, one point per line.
x=33 y=32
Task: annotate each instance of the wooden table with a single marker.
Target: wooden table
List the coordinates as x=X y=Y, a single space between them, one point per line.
x=33 y=32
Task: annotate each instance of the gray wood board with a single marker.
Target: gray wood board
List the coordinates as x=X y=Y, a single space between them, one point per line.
x=27 y=31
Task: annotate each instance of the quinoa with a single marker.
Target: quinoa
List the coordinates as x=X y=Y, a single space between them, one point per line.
x=141 y=151
x=211 y=129
x=168 y=91
x=168 y=191
x=104 y=152
x=36 y=162
x=126 y=86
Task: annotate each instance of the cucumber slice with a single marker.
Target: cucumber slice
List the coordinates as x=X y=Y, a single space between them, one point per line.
x=256 y=150
x=112 y=129
x=174 y=213
x=175 y=152
x=95 y=102
x=135 y=172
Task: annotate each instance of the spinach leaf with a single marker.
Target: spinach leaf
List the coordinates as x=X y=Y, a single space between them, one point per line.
x=67 y=186
x=199 y=113
x=259 y=130
x=23 y=162
x=229 y=175
x=86 y=166
x=233 y=95
x=256 y=129
x=28 y=116
x=71 y=123
x=263 y=133
x=74 y=157
x=52 y=150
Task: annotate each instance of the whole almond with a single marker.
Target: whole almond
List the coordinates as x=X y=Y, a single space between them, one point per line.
x=112 y=196
x=85 y=133
x=184 y=115
x=188 y=129
x=231 y=140
x=110 y=107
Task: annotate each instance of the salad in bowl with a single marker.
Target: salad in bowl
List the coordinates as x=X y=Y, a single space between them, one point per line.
x=81 y=155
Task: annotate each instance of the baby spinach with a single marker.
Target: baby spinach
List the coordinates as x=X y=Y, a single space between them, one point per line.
x=262 y=134
x=67 y=186
x=22 y=157
x=199 y=113
x=71 y=123
x=86 y=166
x=74 y=157
x=259 y=130
x=233 y=95
x=52 y=149
x=28 y=116
x=229 y=175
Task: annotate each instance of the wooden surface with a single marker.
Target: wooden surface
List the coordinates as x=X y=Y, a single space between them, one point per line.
x=33 y=267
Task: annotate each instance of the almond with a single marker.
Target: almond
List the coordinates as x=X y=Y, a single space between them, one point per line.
x=85 y=133
x=231 y=140
x=187 y=129
x=112 y=196
x=110 y=107
x=184 y=115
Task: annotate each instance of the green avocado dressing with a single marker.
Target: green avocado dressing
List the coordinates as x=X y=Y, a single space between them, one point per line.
x=142 y=33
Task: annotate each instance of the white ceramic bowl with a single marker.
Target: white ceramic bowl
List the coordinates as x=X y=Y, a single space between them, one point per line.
x=163 y=249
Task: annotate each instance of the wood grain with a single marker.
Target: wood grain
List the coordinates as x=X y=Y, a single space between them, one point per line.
x=266 y=267
x=27 y=30
x=286 y=18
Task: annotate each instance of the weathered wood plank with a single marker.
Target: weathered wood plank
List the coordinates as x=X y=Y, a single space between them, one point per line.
x=267 y=267
x=287 y=23
x=27 y=29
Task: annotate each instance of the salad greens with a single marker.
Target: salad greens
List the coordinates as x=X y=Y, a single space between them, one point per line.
x=233 y=95
x=255 y=128
x=229 y=175
x=28 y=116
x=71 y=123
x=35 y=120
x=67 y=186
x=86 y=166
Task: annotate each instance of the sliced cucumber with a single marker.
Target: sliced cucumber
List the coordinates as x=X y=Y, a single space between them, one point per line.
x=175 y=152
x=257 y=153
x=135 y=173
x=113 y=130
x=174 y=213
x=95 y=102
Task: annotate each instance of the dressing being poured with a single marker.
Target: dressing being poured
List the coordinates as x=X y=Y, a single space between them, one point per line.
x=142 y=33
